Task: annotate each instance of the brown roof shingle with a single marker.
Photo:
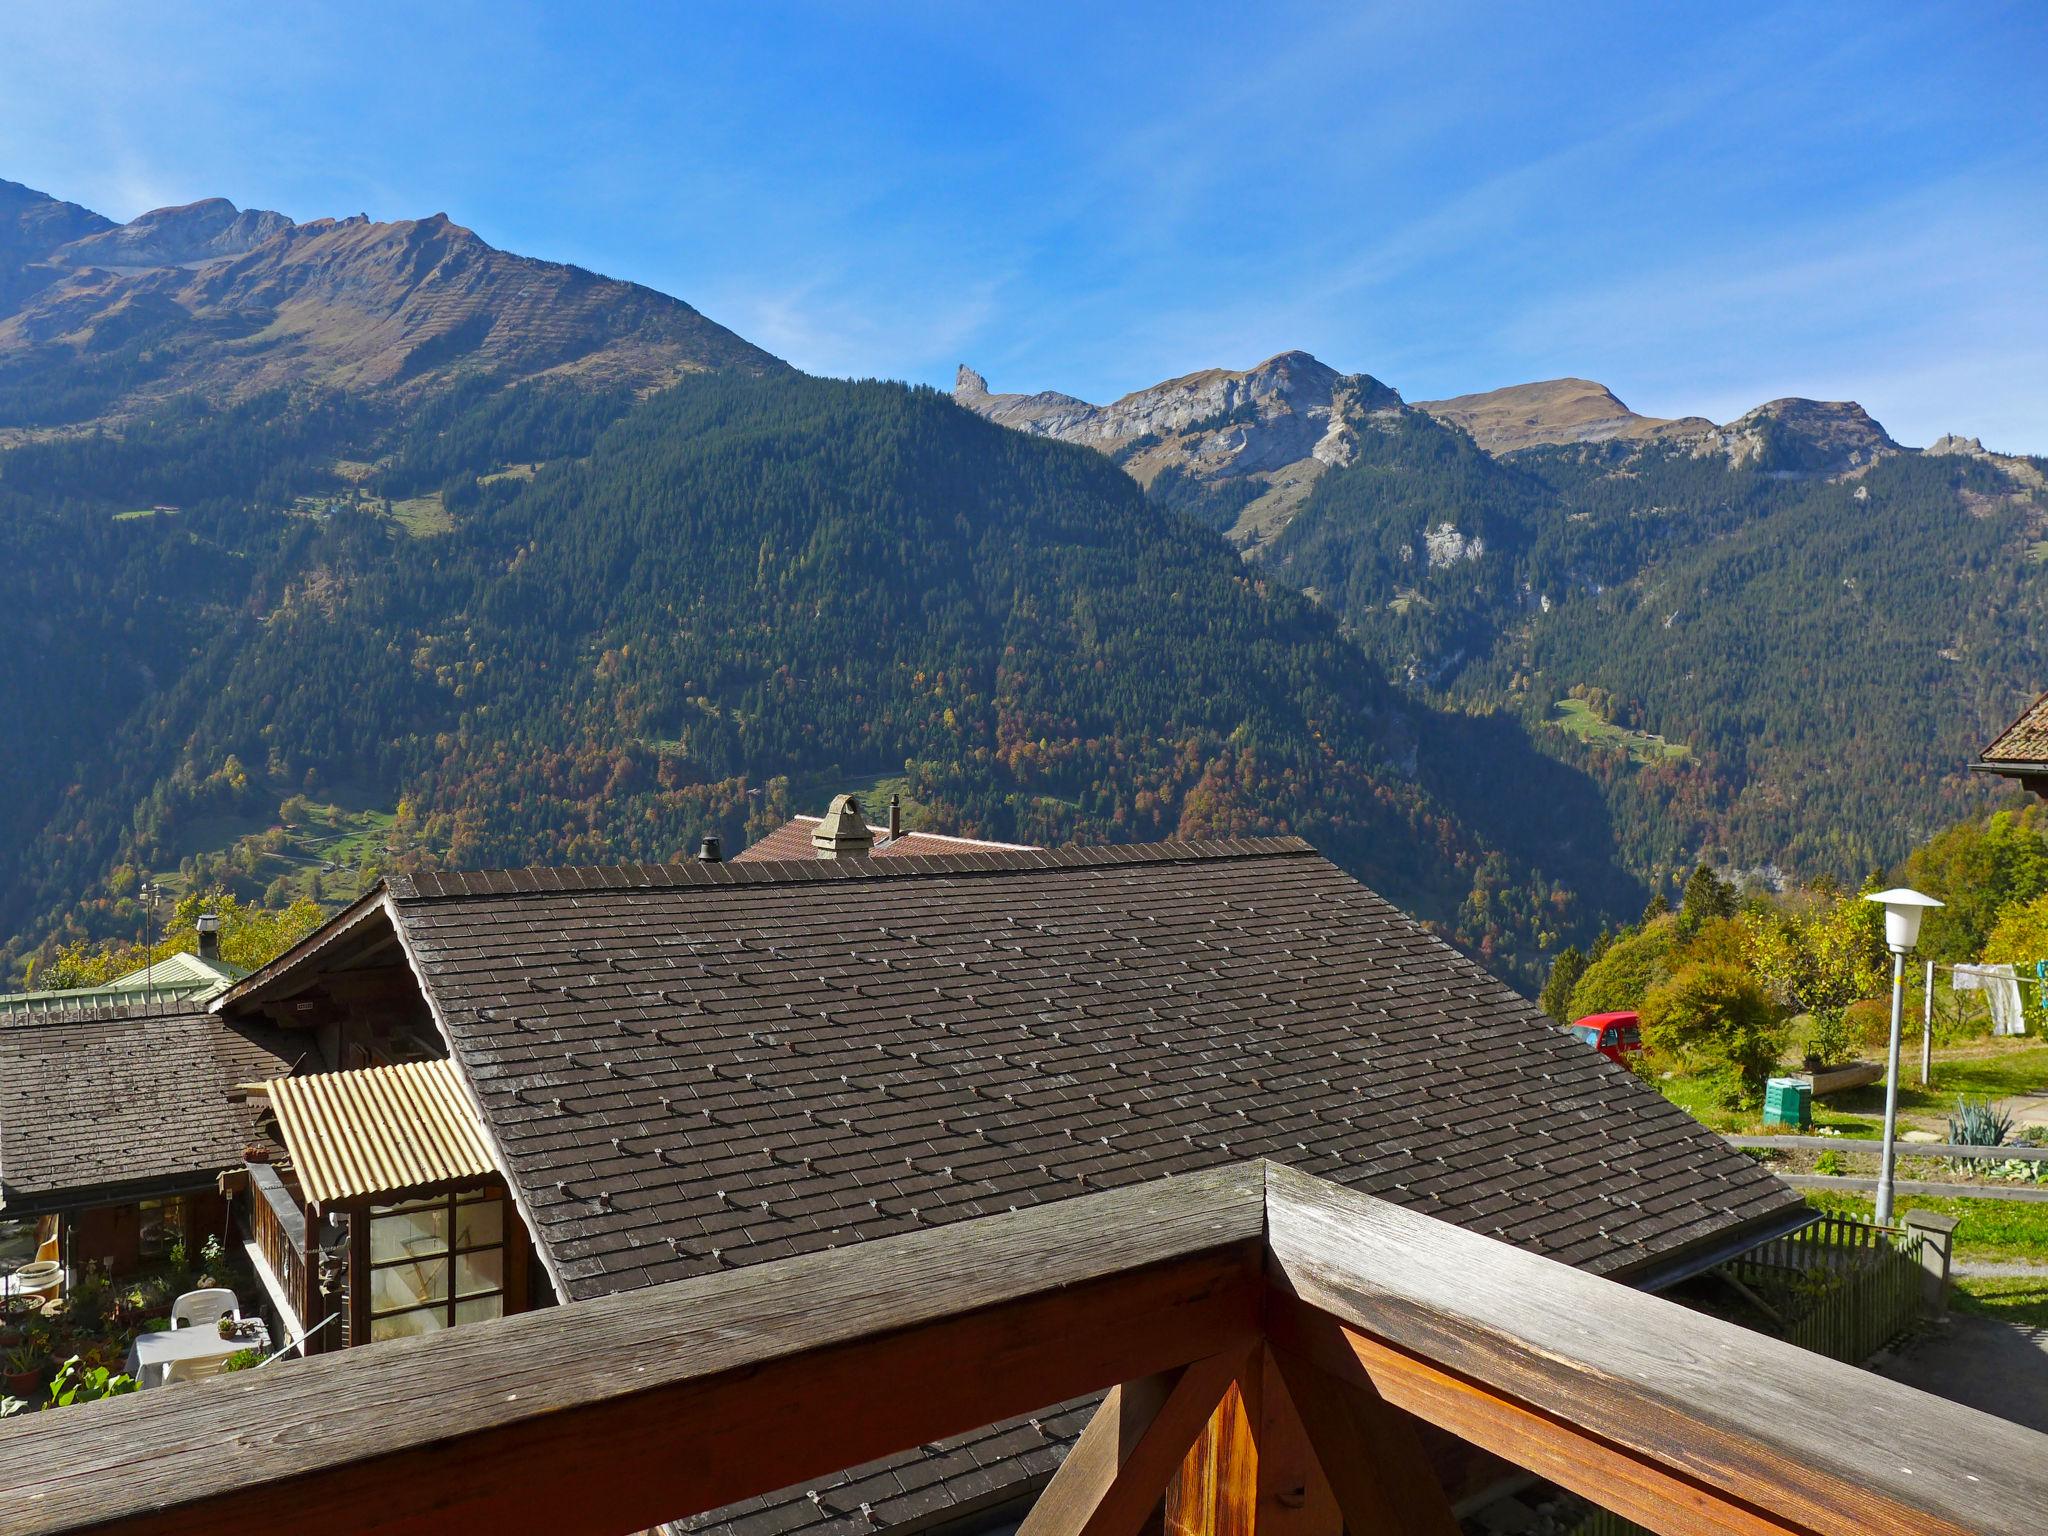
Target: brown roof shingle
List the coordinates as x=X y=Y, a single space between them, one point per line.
x=695 y=1066
x=106 y=1102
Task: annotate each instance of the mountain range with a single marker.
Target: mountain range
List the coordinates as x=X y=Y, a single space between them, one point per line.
x=341 y=544
x=231 y=302
x=1776 y=641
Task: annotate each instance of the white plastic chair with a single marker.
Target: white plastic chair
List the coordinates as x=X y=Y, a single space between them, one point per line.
x=203 y=1309
x=193 y=1370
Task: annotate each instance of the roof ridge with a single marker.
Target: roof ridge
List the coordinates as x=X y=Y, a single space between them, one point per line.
x=89 y=1013
x=540 y=880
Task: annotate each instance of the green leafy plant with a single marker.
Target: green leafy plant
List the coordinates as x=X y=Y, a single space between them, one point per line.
x=74 y=1383
x=242 y=1360
x=1829 y=1163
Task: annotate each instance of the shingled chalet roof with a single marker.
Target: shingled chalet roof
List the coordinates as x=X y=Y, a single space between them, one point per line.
x=2021 y=747
x=123 y=1102
x=792 y=840
x=694 y=1066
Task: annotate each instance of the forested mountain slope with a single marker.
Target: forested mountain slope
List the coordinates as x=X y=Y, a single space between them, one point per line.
x=748 y=577
x=1775 y=642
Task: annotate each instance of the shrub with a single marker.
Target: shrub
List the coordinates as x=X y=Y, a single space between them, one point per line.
x=1718 y=1018
x=1623 y=976
x=1870 y=1023
x=242 y=1360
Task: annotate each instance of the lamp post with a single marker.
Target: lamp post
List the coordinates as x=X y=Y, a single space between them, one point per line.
x=1903 y=910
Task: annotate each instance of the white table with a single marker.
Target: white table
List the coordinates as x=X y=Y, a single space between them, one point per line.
x=151 y=1352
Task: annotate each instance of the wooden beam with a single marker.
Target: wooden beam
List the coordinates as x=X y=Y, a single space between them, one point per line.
x=1116 y=1474
x=1624 y=1396
x=1215 y=1492
x=1295 y=1497
x=611 y=1415
x=1379 y=1475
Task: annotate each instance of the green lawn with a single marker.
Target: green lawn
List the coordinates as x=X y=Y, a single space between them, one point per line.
x=423 y=516
x=1985 y=1229
x=1988 y=1069
x=2022 y=1300
x=1573 y=716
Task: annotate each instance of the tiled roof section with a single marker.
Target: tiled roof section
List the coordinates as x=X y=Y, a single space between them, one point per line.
x=792 y=840
x=705 y=1066
x=98 y=1101
x=949 y=1479
x=2024 y=742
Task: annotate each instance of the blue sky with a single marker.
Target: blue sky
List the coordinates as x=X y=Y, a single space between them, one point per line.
x=1702 y=207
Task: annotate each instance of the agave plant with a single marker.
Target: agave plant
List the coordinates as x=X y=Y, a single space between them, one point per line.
x=1978 y=1123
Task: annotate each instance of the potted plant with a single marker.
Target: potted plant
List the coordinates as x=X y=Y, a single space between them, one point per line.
x=22 y=1368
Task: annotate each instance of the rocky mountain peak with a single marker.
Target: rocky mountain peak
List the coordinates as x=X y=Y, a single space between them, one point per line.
x=183 y=236
x=1800 y=436
x=1279 y=424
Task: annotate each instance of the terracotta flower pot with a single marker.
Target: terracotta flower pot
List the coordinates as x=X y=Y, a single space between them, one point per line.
x=24 y=1383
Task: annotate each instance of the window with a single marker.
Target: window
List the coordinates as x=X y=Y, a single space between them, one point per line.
x=159 y=1223
x=435 y=1263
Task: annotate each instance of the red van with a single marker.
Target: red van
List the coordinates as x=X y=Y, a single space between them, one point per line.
x=1617 y=1036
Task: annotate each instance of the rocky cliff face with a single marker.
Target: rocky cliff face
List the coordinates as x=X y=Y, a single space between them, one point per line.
x=1271 y=431
x=231 y=301
x=1806 y=436
x=1275 y=428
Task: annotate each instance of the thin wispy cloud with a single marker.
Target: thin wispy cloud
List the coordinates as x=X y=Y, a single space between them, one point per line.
x=1699 y=205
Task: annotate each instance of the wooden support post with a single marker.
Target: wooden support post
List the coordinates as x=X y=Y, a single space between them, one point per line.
x=1254 y=1471
x=1215 y=1493
x=1113 y=1479
x=1294 y=1496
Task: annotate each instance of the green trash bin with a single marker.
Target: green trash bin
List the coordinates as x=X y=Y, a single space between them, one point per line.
x=1788 y=1101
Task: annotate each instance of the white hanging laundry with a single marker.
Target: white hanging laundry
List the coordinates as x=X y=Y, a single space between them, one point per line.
x=2001 y=988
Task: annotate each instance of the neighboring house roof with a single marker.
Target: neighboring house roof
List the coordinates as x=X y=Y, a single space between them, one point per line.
x=2021 y=749
x=181 y=977
x=380 y=1131
x=102 y=1104
x=694 y=1066
x=792 y=840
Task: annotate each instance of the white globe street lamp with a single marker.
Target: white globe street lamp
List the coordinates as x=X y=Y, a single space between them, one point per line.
x=1903 y=910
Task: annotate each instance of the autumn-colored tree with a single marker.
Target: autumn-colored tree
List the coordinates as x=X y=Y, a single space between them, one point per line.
x=1718 y=1016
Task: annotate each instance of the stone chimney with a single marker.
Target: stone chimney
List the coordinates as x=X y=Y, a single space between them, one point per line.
x=208 y=926
x=844 y=831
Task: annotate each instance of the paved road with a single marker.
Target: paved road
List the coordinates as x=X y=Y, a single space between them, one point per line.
x=2001 y=1368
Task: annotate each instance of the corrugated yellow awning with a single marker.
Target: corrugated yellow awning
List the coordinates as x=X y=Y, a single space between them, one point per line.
x=379 y=1132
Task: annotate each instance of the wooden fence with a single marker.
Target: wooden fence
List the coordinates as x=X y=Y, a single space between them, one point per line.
x=1840 y=1287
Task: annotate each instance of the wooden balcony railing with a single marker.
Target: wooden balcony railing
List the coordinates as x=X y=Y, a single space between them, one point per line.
x=277 y=1225
x=1285 y=1331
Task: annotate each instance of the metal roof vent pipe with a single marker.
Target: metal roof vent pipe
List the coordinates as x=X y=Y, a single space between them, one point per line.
x=208 y=926
x=895 y=817
x=844 y=833
x=711 y=850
